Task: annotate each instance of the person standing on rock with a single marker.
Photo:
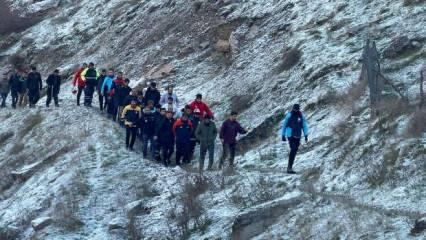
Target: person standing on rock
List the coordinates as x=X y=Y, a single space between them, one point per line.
x=100 y=83
x=165 y=98
x=79 y=82
x=53 y=87
x=165 y=137
x=4 y=90
x=292 y=126
x=15 y=86
x=182 y=130
x=201 y=106
x=206 y=133
x=131 y=115
x=228 y=136
x=152 y=94
x=34 y=85
x=89 y=76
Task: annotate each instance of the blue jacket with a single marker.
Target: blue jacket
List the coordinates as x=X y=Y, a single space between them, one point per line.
x=107 y=84
x=287 y=130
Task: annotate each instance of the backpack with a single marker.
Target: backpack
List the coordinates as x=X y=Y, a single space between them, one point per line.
x=296 y=124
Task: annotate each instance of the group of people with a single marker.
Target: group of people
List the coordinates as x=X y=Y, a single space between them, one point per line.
x=26 y=87
x=156 y=119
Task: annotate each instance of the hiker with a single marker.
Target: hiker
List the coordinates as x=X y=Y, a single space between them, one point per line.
x=118 y=81
x=228 y=136
x=34 y=85
x=169 y=94
x=131 y=115
x=202 y=106
x=206 y=133
x=79 y=82
x=121 y=92
x=23 y=91
x=182 y=130
x=89 y=76
x=132 y=96
x=292 y=126
x=165 y=137
x=148 y=131
x=106 y=88
x=4 y=90
x=101 y=97
x=53 y=87
x=15 y=86
x=159 y=115
x=152 y=94
x=195 y=118
x=171 y=106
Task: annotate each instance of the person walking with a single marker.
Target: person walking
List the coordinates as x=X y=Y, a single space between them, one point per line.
x=228 y=136
x=79 y=82
x=182 y=130
x=206 y=134
x=165 y=137
x=100 y=83
x=169 y=94
x=34 y=85
x=112 y=93
x=89 y=76
x=201 y=106
x=148 y=132
x=195 y=118
x=4 y=90
x=15 y=86
x=292 y=126
x=105 y=91
x=152 y=94
x=53 y=86
x=121 y=92
x=131 y=115
x=23 y=90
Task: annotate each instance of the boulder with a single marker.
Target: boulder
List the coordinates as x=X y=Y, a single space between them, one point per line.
x=398 y=46
x=133 y=208
x=40 y=223
x=204 y=45
x=160 y=71
x=223 y=46
x=118 y=223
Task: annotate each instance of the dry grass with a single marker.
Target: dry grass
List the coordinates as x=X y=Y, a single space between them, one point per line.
x=30 y=122
x=6 y=136
x=65 y=211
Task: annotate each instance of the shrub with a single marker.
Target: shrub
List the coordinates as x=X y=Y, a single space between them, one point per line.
x=17 y=61
x=65 y=210
x=290 y=58
x=17 y=148
x=416 y=126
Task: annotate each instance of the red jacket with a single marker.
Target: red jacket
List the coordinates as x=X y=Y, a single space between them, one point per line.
x=204 y=109
x=179 y=123
x=77 y=79
x=117 y=82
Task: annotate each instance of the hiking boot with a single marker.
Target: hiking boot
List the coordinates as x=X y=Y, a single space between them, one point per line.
x=290 y=171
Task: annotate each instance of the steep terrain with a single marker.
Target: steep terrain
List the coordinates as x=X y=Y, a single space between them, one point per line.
x=362 y=177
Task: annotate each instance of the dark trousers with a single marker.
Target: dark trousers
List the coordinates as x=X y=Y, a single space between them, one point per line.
x=88 y=95
x=79 y=91
x=167 y=150
x=183 y=151
x=33 y=96
x=3 y=101
x=294 y=147
x=148 y=139
x=50 y=95
x=228 y=149
x=14 y=98
x=131 y=136
x=203 y=152
x=102 y=101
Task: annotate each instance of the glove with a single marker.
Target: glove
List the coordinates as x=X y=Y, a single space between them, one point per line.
x=306 y=138
x=284 y=139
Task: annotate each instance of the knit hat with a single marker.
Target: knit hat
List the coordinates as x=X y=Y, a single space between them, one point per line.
x=296 y=107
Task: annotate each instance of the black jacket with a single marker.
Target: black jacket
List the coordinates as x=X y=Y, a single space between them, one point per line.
x=101 y=80
x=148 y=124
x=54 y=83
x=164 y=131
x=129 y=99
x=34 y=81
x=15 y=83
x=152 y=94
x=121 y=93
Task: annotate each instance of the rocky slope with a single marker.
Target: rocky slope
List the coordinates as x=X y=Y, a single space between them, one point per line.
x=362 y=177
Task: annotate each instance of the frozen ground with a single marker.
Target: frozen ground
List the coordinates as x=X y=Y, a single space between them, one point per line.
x=361 y=178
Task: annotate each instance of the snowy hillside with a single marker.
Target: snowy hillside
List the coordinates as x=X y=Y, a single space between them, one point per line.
x=66 y=174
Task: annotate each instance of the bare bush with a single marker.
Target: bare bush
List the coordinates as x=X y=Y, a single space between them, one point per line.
x=290 y=58
x=6 y=136
x=381 y=171
x=65 y=211
x=417 y=124
x=239 y=103
x=17 y=61
x=30 y=122
x=17 y=148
